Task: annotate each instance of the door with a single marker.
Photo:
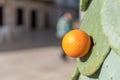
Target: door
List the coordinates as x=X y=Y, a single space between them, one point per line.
x=1 y=16
x=19 y=17
x=33 y=20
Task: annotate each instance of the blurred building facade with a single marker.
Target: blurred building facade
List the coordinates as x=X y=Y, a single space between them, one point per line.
x=35 y=14
x=71 y=6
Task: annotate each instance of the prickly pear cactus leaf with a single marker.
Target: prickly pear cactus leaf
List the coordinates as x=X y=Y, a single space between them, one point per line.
x=111 y=67
x=91 y=24
x=110 y=17
x=75 y=75
x=82 y=77
x=84 y=4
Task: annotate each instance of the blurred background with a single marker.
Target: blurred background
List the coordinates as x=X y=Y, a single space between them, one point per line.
x=29 y=48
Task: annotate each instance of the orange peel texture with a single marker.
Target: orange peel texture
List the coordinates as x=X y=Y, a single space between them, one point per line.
x=76 y=43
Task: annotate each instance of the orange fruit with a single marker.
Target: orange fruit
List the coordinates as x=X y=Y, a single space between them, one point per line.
x=76 y=43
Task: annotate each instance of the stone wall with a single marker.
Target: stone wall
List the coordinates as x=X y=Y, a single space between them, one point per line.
x=43 y=12
x=10 y=8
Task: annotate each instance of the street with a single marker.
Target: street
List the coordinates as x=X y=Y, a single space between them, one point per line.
x=34 y=56
x=35 y=64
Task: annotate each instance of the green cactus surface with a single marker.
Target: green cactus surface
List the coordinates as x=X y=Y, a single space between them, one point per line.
x=101 y=22
x=75 y=75
x=82 y=77
x=84 y=4
x=111 y=67
x=110 y=17
x=91 y=24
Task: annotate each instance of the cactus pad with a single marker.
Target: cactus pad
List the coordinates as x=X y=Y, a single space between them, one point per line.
x=82 y=77
x=111 y=67
x=91 y=24
x=84 y=4
x=110 y=17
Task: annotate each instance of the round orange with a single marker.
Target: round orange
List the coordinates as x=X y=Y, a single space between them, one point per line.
x=76 y=43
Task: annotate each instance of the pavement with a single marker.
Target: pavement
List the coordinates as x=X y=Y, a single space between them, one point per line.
x=34 y=56
x=35 y=64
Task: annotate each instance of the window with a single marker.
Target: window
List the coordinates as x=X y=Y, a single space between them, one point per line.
x=33 y=19
x=1 y=16
x=19 y=16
